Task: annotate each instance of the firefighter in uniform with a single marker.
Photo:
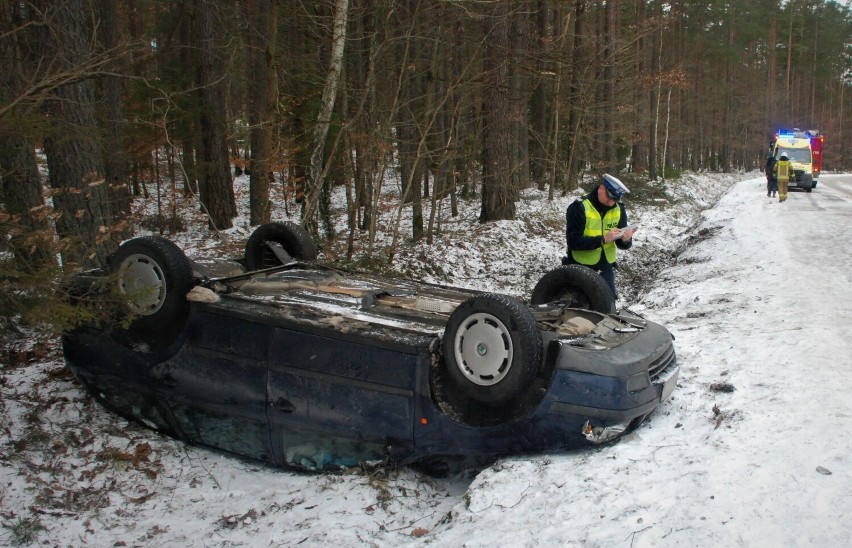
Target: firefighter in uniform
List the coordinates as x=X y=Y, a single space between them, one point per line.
x=783 y=170
x=596 y=225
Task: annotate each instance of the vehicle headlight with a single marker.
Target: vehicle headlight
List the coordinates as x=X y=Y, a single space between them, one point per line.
x=598 y=435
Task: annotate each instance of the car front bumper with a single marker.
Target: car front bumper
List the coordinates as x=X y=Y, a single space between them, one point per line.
x=593 y=396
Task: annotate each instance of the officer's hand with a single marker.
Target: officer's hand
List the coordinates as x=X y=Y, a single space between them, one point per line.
x=627 y=233
x=613 y=234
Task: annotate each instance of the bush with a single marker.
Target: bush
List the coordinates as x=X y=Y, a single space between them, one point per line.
x=40 y=303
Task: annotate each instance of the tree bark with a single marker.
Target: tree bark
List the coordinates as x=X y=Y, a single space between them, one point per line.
x=609 y=78
x=73 y=145
x=578 y=68
x=498 y=191
x=519 y=97
x=261 y=41
x=539 y=147
x=638 y=164
x=112 y=116
x=216 y=189
x=654 y=97
x=315 y=175
x=30 y=238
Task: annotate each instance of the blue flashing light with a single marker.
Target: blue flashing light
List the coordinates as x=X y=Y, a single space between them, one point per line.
x=790 y=133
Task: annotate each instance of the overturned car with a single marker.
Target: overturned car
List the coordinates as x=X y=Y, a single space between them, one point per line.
x=280 y=358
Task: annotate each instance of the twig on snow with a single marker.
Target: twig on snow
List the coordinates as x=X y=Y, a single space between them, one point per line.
x=632 y=536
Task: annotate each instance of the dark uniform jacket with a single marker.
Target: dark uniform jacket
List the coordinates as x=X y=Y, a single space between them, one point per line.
x=575 y=226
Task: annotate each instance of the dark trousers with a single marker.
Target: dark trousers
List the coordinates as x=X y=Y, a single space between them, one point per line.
x=771 y=185
x=606 y=270
x=608 y=274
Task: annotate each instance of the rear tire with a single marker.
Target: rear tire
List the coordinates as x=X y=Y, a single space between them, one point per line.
x=154 y=276
x=294 y=239
x=577 y=286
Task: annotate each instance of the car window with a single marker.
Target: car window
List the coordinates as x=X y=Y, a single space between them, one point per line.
x=801 y=155
x=231 y=433
x=314 y=451
x=141 y=408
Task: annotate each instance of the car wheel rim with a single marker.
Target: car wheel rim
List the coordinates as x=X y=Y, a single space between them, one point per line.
x=483 y=349
x=142 y=280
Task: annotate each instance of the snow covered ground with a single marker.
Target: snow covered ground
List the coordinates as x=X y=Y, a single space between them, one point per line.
x=752 y=449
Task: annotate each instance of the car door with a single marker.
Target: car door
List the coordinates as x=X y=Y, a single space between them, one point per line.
x=215 y=387
x=336 y=400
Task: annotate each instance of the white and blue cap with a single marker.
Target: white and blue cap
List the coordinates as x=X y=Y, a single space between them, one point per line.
x=614 y=188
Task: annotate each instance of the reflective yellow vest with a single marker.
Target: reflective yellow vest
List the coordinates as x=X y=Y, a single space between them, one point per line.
x=782 y=170
x=596 y=227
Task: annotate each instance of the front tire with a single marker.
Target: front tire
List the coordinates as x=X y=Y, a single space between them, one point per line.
x=492 y=348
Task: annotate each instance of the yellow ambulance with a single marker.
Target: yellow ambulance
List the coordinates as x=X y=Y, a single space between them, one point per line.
x=796 y=145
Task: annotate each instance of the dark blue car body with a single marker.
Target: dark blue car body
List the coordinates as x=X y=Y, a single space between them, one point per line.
x=315 y=379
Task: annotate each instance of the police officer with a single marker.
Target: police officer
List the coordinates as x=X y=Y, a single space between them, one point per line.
x=596 y=225
x=771 y=183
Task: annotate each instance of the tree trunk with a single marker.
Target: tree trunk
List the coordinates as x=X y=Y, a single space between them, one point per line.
x=73 y=145
x=553 y=147
x=638 y=163
x=666 y=134
x=578 y=67
x=315 y=176
x=539 y=146
x=772 y=64
x=186 y=127
x=215 y=185
x=519 y=97
x=360 y=71
x=654 y=102
x=498 y=191
x=788 y=78
x=29 y=234
x=409 y=118
x=609 y=78
x=261 y=41
x=112 y=120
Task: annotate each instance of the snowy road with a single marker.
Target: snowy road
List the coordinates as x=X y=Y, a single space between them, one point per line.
x=754 y=447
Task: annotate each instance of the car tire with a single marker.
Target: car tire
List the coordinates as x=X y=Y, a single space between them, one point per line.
x=295 y=240
x=154 y=276
x=578 y=286
x=492 y=348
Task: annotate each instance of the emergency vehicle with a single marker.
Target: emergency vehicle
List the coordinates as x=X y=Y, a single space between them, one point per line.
x=796 y=145
x=817 y=140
